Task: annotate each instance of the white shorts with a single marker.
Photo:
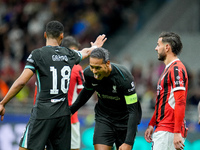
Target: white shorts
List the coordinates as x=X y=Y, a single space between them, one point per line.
x=75 y=136
x=163 y=140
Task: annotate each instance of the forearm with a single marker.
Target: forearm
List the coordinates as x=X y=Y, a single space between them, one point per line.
x=82 y=98
x=86 y=51
x=131 y=130
x=132 y=124
x=153 y=120
x=16 y=87
x=180 y=103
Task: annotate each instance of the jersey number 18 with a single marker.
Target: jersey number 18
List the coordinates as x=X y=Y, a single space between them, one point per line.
x=65 y=73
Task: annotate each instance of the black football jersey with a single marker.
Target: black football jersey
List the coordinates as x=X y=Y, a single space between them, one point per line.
x=52 y=66
x=111 y=92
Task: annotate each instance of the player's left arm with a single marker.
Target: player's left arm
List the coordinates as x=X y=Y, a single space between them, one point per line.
x=133 y=107
x=134 y=117
x=179 y=82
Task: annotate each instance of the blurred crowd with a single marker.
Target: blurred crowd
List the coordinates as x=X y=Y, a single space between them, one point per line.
x=22 y=24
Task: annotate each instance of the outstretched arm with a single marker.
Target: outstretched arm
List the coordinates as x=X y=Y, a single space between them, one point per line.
x=15 y=88
x=98 y=43
x=82 y=98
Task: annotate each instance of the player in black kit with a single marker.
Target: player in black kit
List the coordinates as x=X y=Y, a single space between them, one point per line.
x=118 y=111
x=50 y=116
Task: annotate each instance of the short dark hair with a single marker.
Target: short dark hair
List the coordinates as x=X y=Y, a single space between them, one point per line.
x=70 y=41
x=100 y=53
x=54 y=29
x=174 y=40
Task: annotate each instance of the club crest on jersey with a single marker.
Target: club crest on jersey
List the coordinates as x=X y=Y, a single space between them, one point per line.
x=114 y=89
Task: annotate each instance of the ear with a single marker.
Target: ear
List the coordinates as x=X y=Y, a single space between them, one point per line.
x=168 y=47
x=108 y=63
x=45 y=35
x=61 y=36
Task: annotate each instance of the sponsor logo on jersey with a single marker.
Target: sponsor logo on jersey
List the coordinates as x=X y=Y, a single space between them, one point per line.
x=57 y=100
x=179 y=70
x=29 y=59
x=93 y=84
x=103 y=96
x=59 y=58
x=178 y=82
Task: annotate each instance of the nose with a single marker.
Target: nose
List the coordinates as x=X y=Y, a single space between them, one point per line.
x=94 y=70
x=156 y=48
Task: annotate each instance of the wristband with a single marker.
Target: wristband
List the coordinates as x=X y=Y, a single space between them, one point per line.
x=94 y=46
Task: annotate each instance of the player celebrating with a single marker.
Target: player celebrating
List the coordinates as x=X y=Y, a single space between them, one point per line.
x=118 y=111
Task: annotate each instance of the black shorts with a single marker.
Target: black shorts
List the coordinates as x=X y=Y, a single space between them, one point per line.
x=107 y=134
x=39 y=131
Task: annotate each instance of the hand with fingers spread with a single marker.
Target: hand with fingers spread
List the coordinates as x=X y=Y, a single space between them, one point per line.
x=178 y=141
x=99 y=41
x=148 y=133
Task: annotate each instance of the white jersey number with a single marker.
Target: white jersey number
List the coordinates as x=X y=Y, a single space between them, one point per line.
x=65 y=73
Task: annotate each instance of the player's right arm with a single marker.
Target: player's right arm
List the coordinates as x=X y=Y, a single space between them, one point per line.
x=82 y=98
x=15 y=88
x=149 y=131
x=98 y=43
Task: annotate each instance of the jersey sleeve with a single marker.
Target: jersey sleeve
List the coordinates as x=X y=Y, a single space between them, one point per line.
x=30 y=62
x=87 y=80
x=78 y=56
x=80 y=79
x=133 y=107
x=177 y=78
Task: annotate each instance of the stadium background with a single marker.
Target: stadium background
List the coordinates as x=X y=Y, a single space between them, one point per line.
x=132 y=28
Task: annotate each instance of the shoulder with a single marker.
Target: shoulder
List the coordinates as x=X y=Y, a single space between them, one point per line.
x=78 y=67
x=178 y=66
x=88 y=74
x=121 y=70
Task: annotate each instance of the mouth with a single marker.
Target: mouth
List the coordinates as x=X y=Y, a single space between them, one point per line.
x=97 y=76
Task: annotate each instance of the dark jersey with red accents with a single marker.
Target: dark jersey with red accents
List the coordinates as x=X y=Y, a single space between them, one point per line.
x=52 y=65
x=173 y=78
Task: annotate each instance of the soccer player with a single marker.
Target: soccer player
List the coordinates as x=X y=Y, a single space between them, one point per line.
x=75 y=87
x=172 y=87
x=50 y=116
x=118 y=111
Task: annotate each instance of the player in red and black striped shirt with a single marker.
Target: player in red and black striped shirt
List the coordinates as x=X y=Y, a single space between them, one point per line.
x=172 y=87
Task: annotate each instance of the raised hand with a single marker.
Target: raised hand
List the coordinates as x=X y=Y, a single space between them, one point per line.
x=99 y=41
